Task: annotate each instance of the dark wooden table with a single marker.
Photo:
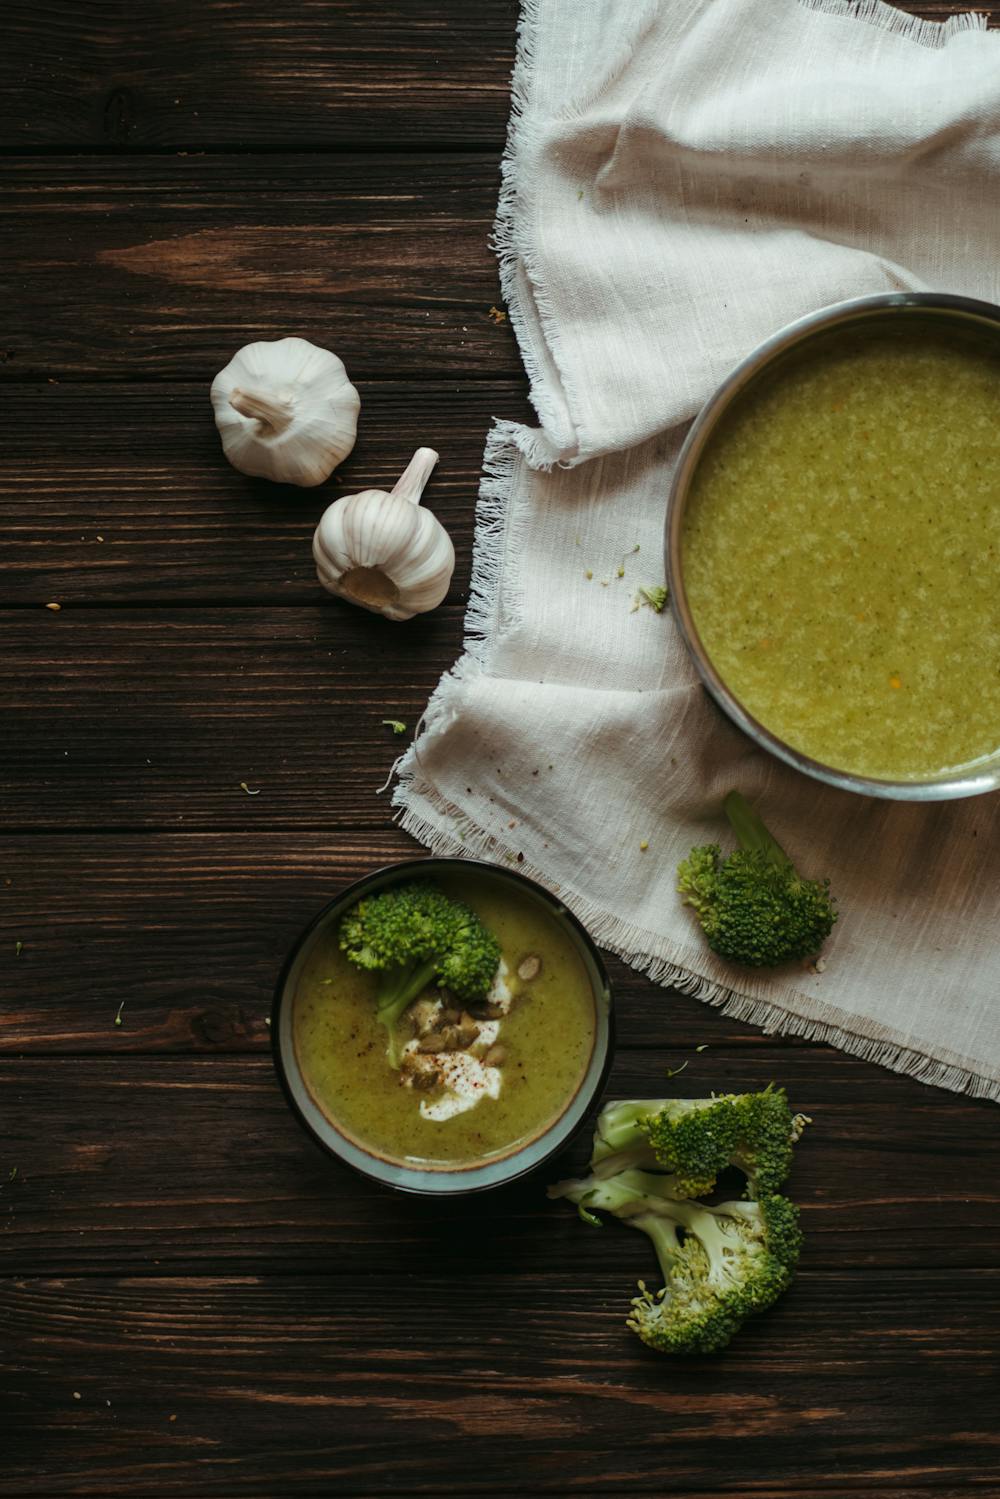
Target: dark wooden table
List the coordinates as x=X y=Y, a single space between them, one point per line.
x=195 y=1301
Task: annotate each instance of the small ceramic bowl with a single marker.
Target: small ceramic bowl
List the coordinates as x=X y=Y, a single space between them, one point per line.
x=438 y=1180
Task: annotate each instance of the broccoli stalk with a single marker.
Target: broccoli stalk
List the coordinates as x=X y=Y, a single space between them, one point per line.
x=413 y=935
x=752 y=833
x=754 y=907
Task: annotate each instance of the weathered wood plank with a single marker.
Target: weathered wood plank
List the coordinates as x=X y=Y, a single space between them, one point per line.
x=239 y=74
x=143 y=1164
x=141 y=467
x=524 y=1382
x=169 y=926
x=389 y=265
x=144 y=718
x=67 y=179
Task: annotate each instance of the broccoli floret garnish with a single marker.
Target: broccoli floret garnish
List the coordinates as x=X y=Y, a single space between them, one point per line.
x=754 y=907
x=720 y=1264
x=694 y=1139
x=413 y=935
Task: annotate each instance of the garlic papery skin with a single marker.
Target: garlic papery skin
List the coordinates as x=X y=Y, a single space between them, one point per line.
x=286 y=411
x=383 y=551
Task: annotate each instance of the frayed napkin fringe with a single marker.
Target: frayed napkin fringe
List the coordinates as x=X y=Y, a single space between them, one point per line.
x=897 y=22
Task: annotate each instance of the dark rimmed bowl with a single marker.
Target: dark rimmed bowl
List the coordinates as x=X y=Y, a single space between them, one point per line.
x=937 y=309
x=438 y=1180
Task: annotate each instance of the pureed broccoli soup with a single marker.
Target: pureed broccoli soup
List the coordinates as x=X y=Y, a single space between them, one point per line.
x=448 y=1109
x=840 y=547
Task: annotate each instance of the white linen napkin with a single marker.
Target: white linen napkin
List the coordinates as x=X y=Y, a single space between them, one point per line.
x=682 y=178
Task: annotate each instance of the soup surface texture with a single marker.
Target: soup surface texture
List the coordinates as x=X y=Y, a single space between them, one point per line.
x=548 y=1038
x=841 y=546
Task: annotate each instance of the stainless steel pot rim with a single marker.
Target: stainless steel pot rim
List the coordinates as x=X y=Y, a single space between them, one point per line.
x=970 y=781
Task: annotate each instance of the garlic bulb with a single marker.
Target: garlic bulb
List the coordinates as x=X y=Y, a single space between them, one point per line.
x=286 y=411
x=383 y=551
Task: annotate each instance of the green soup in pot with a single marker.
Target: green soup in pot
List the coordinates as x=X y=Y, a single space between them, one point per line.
x=840 y=550
x=548 y=1039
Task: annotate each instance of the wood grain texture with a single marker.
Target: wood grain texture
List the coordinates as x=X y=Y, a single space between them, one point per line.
x=386 y=260
x=239 y=74
x=119 y=493
x=321 y=1384
x=153 y=718
x=195 y=1164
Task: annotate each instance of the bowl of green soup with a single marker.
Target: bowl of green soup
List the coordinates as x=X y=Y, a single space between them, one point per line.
x=833 y=546
x=443 y=1026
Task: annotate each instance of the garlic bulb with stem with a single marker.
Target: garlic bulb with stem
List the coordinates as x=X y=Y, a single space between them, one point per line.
x=383 y=551
x=286 y=411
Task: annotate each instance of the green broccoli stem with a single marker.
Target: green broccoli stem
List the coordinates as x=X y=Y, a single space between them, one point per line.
x=640 y=1157
x=620 y=1126
x=399 y=988
x=639 y=1199
x=663 y=1233
x=751 y=832
x=705 y=1223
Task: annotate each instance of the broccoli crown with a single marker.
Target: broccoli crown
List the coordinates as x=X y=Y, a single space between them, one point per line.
x=753 y=1131
x=696 y=1138
x=418 y=923
x=753 y=912
x=720 y=1264
x=695 y=1144
x=765 y=1137
x=754 y=907
x=414 y=934
x=734 y=1261
x=398 y=925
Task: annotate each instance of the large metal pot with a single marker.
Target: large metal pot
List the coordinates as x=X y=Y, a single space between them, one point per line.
x=938 y=308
